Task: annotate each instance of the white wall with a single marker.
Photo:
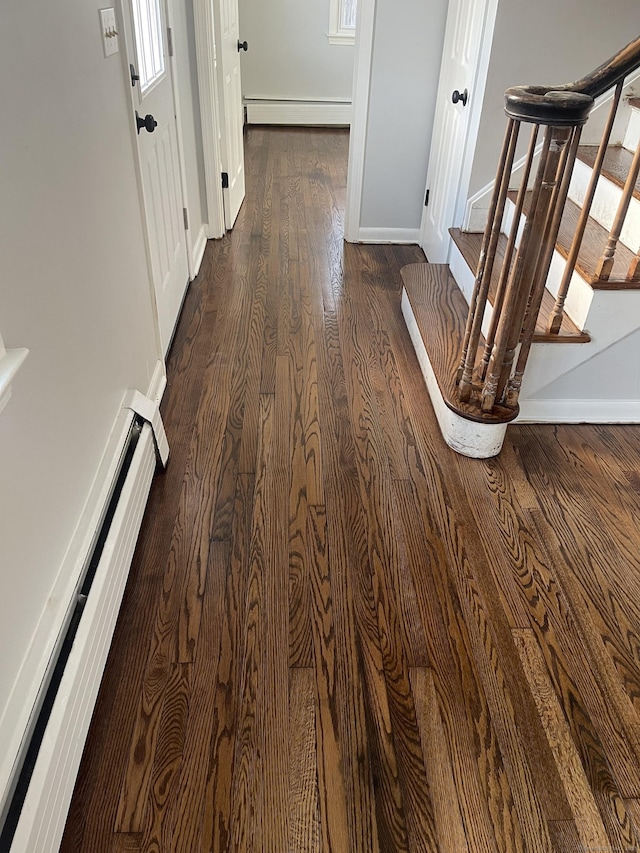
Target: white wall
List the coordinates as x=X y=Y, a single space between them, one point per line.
x=74 y=288
x=289 y=56
x=407 y=50
x=544 y=43
x=187 y=74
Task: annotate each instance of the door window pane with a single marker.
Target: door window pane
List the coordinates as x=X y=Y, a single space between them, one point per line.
x=147 y=21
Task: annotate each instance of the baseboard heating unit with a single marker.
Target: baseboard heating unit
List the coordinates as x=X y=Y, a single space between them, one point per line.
x=45 y=774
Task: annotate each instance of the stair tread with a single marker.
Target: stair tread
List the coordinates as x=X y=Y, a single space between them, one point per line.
x=470 y=244
x=440 y=311
x=616 y=165
x=593 y=244
x=634 y=102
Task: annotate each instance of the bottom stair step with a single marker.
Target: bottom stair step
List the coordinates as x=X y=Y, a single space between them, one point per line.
x=435 y=312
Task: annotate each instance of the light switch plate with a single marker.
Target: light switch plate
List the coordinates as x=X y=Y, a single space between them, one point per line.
x=109 y=31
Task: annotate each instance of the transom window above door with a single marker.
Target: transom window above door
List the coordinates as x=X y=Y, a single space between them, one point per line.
x=147 y=24
x=342 y=21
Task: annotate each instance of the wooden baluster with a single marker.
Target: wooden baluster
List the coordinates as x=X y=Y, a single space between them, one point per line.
x=520 y=285
x=605 y=265
x=558 y=311
x=634 y=269
x=508 y=255
x=563 y=179
x=486 y=261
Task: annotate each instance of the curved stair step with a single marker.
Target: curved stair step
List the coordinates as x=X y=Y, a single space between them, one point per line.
x=436 y=311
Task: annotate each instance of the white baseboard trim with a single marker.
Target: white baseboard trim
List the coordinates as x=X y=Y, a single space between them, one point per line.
x=47 y=802
x=579 y=412
x=469 y=438
x=312 y=113
x=198 y=250
x=158 y=382
x=388 y=235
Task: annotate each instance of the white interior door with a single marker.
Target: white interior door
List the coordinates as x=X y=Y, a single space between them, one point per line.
x=231 y=108
x=458 y=73
x=159 y=158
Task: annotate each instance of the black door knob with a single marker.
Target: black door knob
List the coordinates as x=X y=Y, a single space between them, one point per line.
x=242 y=45
x=148 y=122
x=464 y=97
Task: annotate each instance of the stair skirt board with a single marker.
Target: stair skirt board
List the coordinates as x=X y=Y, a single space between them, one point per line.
x=42 y=819
x=311 y=113
x=469 y=438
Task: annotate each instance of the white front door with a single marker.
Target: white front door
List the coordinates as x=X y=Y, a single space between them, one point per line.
x=231 y=108
x=145 y=24
x=463 y=39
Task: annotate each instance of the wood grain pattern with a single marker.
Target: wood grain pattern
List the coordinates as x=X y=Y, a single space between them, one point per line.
x=583 y=805
x=303 y=808
x=320 y=645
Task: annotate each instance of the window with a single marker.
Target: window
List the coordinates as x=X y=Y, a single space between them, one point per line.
x=342 y=24
x=147 y=21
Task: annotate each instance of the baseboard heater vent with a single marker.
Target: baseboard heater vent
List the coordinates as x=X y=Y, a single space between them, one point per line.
x=45 y=775
x=305 y=113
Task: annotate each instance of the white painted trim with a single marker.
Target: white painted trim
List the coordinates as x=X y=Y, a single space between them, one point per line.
x=11 y=360
x=579 y=411
x=149 y=411
x=365 y=28
x=43 y=816
x=469 y=438
x=387 y=235
x=158 y=382
x=341 y=38
x=298 y=112
x=173 y=66
x=199 y=247
x=209 y=113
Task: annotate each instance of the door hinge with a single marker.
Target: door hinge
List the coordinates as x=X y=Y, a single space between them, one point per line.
x=225 y=180
x=426 y=199
x=185 y=215
x=170 y=41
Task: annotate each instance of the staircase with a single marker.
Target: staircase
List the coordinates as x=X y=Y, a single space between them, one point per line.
x=553 y=283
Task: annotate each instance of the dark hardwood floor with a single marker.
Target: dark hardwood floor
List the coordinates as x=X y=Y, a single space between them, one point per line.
x=337 y=634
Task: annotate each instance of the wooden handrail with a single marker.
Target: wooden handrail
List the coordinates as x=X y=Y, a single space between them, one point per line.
x=569 y=104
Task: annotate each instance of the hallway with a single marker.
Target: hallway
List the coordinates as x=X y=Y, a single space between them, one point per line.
x=337 y=635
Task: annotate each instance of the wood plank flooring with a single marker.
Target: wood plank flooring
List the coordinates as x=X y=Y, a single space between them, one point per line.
x=337 y=634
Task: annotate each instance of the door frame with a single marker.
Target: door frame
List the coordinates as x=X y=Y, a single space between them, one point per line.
x=206 y=53
x=365 y=28
x=363 y=65
x=478 y=85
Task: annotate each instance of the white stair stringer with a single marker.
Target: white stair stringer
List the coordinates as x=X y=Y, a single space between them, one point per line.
x=612 y=317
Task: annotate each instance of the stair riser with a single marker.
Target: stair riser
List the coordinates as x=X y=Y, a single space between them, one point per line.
x=605 y=204
x=632 y=136
x=580 y=294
